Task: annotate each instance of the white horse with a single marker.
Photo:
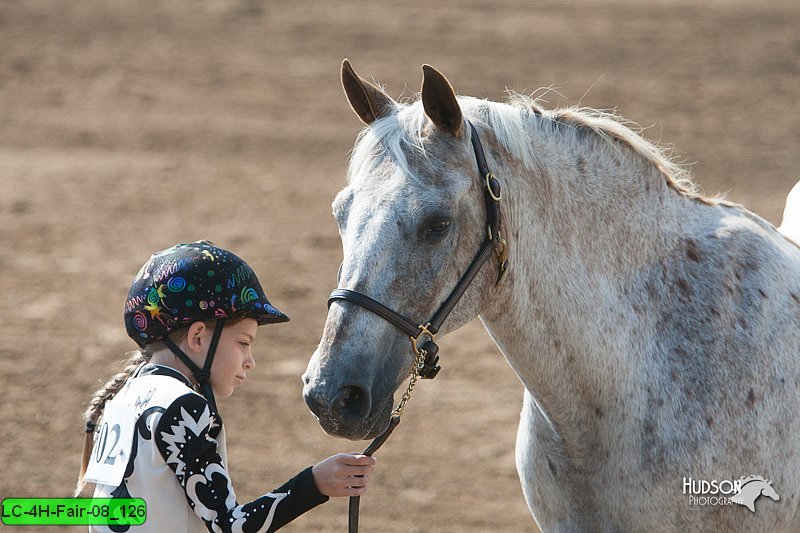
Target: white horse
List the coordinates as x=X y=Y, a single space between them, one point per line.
x=791 y=215
x=656 y=331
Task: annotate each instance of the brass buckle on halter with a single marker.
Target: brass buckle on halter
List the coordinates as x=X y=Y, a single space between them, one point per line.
x=501 y=251
x=423 y=330
x=427 y=353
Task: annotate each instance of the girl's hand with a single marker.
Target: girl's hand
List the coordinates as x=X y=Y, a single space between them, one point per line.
x=343 y=474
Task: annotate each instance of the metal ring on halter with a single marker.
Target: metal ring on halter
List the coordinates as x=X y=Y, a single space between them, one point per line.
x=489 y=178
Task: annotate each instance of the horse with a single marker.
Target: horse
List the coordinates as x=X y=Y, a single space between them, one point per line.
x=655 y=329
x=790 y=226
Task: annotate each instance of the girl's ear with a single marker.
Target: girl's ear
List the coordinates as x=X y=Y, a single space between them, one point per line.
x=195 y=336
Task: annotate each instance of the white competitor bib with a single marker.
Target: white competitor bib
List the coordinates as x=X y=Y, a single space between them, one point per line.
x=112 y=445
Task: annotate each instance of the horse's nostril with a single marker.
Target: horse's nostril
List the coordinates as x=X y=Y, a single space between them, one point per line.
x=349 y=399
x=351 y=402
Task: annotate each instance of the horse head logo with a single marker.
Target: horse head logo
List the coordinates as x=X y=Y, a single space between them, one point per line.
x=751 y=488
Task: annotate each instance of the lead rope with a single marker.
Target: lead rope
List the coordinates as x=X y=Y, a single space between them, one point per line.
x=419 y=364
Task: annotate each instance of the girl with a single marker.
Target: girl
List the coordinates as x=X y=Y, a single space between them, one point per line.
x=193 y=309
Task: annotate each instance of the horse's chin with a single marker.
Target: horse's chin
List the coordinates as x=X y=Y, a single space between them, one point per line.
x=381 y=419
x=381 y=424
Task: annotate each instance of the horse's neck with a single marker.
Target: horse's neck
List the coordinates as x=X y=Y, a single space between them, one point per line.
x=561 y=316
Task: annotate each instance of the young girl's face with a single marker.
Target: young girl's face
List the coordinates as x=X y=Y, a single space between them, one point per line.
x=234 y=356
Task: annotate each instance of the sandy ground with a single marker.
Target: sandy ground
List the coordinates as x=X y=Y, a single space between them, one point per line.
x=126 y=126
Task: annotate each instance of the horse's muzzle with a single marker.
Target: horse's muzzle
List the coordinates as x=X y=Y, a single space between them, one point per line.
x=344 y=412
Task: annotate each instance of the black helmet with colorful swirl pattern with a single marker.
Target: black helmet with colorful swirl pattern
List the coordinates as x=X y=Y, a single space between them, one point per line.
x=191 y=282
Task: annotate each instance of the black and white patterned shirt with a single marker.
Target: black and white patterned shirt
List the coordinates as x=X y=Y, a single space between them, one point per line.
x=178 y=464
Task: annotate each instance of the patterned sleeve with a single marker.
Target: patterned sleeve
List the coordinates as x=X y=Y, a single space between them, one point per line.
x=186 y=437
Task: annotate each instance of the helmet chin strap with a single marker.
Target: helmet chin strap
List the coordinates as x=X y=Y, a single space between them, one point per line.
x=202 y=375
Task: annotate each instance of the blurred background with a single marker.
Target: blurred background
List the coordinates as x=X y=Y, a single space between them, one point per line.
x=127 y=126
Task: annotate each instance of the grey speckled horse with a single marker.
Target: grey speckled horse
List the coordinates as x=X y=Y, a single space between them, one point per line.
x=656 y=331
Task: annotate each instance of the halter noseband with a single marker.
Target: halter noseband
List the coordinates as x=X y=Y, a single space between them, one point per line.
x=493 y=242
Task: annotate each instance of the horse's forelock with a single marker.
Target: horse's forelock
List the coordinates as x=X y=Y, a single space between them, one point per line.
x=390 y=136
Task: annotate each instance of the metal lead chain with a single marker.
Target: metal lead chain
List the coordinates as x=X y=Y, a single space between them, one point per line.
x=419 y=364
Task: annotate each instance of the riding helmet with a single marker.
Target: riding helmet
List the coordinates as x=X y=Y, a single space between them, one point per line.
x=193 y=282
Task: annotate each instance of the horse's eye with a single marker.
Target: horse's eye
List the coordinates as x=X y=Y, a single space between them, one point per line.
x=439 y=226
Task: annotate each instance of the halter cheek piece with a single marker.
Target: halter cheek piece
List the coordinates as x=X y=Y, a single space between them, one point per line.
x=493 y=242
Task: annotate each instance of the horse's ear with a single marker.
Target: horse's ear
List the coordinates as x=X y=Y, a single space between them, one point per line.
x=369 y=102
x=439 y=101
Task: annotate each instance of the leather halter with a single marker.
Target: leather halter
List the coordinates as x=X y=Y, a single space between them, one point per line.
x=493 y=242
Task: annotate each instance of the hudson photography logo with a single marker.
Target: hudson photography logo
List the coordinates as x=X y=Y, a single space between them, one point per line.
x=743 y=491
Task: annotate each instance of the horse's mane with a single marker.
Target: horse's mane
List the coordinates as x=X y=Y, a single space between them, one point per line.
x=511 y=123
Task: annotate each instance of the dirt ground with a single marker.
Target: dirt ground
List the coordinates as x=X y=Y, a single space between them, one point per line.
x=127 y=126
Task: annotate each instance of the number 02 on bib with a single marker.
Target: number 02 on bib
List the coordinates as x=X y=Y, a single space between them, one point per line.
x=112 y=445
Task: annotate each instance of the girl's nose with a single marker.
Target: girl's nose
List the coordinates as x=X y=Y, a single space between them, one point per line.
x=249 y=362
